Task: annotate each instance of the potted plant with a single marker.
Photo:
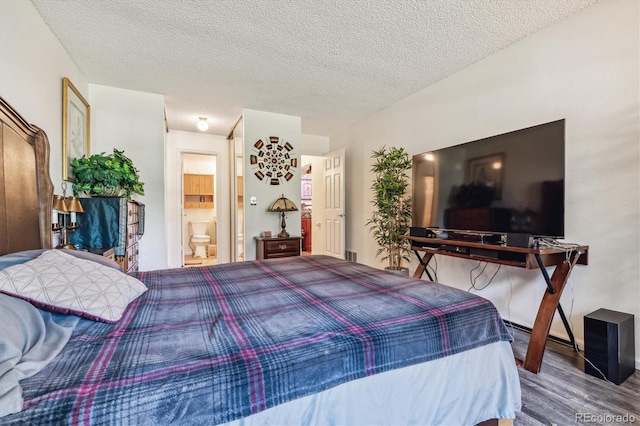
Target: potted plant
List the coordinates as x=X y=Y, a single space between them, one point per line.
x=391 y=216
x=106 y=175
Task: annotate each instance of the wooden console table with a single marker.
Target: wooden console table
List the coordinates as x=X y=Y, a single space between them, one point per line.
x=564 y=259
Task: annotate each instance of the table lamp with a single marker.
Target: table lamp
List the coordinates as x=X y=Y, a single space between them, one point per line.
x=64 y=206
x=283 y=205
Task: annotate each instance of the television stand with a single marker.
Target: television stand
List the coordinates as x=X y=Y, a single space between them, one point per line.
x=564 y=259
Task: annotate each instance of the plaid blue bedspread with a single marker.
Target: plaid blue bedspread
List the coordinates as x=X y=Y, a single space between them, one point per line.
x=209 y=345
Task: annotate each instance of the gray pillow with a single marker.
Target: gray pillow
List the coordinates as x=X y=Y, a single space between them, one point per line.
x=27 y=255
x=58 y=282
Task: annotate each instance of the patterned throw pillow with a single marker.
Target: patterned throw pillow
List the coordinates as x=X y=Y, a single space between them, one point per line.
x=59 y=282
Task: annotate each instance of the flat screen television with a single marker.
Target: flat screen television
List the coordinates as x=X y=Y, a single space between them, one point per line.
x=513 y=182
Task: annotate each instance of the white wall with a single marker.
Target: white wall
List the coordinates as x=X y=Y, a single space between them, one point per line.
x=261 y=125
x=313 y=144
x=198 y=164
x=584 y=69
x=179 y=142
x=133 y=122
x=32 y=66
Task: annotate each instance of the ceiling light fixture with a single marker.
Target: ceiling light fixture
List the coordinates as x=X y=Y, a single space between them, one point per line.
x=202 y=124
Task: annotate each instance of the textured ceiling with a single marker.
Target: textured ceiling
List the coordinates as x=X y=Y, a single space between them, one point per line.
x=331 y=62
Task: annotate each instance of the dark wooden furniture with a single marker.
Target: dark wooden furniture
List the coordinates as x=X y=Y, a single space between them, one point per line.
x=129 y=262
x=306 y=234
x=109 y=253
x=564 y=259
x=111 y=222
x=274 y=247
x=26 y=191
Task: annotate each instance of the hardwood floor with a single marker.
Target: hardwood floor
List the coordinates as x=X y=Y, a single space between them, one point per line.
x=198 y=261
x=562 y=394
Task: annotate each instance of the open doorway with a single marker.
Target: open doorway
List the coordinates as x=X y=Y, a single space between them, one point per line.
x=306 y=203
x=312 y=204
x=199 y=218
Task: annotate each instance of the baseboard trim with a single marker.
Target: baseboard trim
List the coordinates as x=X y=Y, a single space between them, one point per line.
x=560 y=340
x=529 y=330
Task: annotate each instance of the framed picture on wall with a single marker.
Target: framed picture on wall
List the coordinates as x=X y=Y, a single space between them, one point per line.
x=305 y=192
x=76 y=123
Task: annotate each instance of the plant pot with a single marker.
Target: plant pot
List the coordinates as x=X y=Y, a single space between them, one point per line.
x=398 y=271
x=107 y=193
x=115 y=191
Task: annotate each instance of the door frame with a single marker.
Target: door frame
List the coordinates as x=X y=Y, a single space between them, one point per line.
x=177 y=142
x=184 y=232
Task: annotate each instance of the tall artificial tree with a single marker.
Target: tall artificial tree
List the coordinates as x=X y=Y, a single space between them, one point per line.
x=391 y=216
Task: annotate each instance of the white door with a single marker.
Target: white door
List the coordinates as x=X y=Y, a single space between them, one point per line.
x=334 y=213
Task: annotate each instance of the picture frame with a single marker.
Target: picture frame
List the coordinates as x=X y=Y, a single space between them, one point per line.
x=76 y=127
x=305 y=189
x=487 y=170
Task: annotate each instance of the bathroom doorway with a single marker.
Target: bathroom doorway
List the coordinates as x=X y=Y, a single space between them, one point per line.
x=199 y=218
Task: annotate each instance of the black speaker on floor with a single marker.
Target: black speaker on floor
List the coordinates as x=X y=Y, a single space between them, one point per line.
x=609 y=344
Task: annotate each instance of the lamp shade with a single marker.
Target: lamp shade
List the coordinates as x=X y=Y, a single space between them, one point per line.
x=283 y=204
x=60 y=204
x=73 y=205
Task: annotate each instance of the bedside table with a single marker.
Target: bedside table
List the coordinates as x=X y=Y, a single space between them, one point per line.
x=274 y=247
x=109 y=253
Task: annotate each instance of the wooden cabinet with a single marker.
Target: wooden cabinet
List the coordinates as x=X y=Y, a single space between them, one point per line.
x=198 y=191
x=274 y=247
x=109 y=253
x=240 y=183
x=129 y=262
x=306 y=230
x=240 y=191
x=111 y=222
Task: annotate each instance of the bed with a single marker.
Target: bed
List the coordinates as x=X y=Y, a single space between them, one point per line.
x=307 y=340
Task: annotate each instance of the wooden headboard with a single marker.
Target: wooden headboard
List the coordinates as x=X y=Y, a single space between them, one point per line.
x=26 y=191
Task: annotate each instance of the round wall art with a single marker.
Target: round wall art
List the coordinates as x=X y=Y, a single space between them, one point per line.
x=273 y=160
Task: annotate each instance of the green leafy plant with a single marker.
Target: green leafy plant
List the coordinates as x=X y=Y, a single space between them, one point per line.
x=106 y=175
x=391 y=217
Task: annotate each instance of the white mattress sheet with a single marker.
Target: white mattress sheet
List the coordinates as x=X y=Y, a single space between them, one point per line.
x=462 y=389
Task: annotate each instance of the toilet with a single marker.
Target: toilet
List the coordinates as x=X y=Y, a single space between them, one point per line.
x=200 y=238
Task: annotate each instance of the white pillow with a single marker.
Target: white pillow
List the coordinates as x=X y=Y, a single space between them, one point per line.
x=59 y=282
